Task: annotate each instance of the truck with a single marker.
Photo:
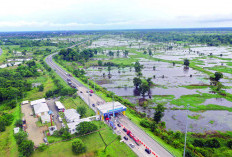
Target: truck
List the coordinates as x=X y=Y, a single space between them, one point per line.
x=133 y=137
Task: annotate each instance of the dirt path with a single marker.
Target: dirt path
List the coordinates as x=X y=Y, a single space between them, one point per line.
x=34 y=133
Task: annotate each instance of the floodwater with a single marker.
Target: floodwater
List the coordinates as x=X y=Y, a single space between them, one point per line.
x=218 y=101
x=208 y=120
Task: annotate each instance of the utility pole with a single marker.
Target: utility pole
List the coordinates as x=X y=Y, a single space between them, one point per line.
x=186 y=130
x=88 y=92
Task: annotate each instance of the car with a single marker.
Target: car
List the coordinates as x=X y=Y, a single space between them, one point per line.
x=90 y=94
x=68 y=80
x=124 y=129
x=87 y=91
x=93 y=105
x=148 y=151
x=131 y=145
x=45 y=139
x=119 y=125
x=126 y=138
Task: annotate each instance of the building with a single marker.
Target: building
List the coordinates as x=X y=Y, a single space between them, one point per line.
x=16 y=130
x=71 y=115
x=110 y=109
x=25 y=102
x=41 y=109
x=35 y=102
x=72 y=126
x=59 y=106
x=45 y=118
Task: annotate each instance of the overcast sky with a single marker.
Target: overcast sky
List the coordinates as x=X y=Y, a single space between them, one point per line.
x=29 y=15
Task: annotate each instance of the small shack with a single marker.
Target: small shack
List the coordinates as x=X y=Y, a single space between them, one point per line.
x=59 y=106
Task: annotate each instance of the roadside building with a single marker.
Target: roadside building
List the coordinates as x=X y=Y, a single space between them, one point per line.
x=59 y=106
x=110 y=109
x=35 y=102
x=41 y=109
x=72 y=126
x=16 y=130
x=25 y=102
x=45 y=118
x=71 y=115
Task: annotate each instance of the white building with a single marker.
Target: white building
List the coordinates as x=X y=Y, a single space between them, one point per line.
x=35 y=102
x=72 y=126
x=25 y=102
x=59 y=106
x=16 y=130
x=71 y=115
x=41 y=109
x=45 y=118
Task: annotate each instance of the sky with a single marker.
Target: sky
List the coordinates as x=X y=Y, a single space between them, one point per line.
x=43 y=15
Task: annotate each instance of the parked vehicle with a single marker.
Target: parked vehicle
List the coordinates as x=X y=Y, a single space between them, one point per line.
x=90 y=94
x=126 y=138
x=45 y=139
x=91 y=91
x=119 y=125
x=148 y=151
x=68 y=80
x=93 y=105
x=112 y=125
x=131 y=145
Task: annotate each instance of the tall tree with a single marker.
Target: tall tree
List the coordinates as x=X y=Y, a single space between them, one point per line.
x=159 y=113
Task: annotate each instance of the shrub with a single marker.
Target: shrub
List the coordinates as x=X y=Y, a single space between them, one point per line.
x=78 y=147
x=145 y=123
x=176 y=144
x=42 y=147
x=229 y=144
x=177 y=134
x=212 y=143
x=198 y=143
x=20 y=137
x=18 y=123
x=86 y=127
x=26 y=148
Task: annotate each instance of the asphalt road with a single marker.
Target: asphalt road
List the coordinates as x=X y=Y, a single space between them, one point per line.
x=0 y=51
x=94 y=99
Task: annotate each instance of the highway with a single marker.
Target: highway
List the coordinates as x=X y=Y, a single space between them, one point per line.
x=158 y=150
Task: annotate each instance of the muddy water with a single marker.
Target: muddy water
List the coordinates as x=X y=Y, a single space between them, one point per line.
x=176 y=120
x=218 y=101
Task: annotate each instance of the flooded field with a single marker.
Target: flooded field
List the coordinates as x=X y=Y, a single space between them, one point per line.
x=169 y=80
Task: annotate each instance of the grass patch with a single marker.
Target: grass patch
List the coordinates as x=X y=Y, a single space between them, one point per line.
x=196 y=117
x=70 y=102
x=94 y=144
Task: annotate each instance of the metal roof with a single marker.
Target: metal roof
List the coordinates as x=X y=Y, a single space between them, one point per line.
x=59 y=105
x=71 y=115
x=41 y=107
x=111 y=106
x=38 y=101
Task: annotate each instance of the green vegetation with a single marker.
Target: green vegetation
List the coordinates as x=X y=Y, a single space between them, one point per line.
x=94 y=145
x=70 y=102
x=196 y=116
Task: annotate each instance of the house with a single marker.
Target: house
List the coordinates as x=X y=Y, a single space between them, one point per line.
x=38 y=101
x=45 y=118
x=41 y=109
x=25 y=102
x=59 y=106
x=72 y=126
x=71 y=115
